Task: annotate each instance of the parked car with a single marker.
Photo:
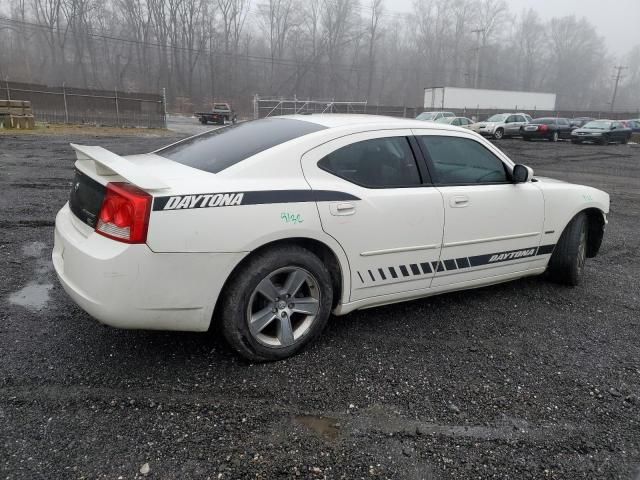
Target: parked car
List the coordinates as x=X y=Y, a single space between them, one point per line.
x=456 y=121
x=549 y=128
x=580 y=121
x=502 y=125
x=634 y=124
x=265 y=229
x=602 y=132
x=220 y=114
x=433 y=116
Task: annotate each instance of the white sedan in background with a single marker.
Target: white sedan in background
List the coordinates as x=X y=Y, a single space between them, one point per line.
x=266 y=227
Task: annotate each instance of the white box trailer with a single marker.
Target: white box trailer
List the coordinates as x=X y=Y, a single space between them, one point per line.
x=443 y=98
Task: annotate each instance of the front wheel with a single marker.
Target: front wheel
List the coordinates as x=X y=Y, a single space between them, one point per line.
x=554 y=137
x=498 y=134
x=566 y=265
x=625 y=140
x=276 y=304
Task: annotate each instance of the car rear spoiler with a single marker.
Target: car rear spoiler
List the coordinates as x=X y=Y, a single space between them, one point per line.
x=108 y=163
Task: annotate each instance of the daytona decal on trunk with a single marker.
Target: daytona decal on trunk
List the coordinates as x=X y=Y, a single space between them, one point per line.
x=233 y=199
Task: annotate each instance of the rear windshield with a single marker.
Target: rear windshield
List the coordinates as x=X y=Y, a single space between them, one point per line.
x=216 y=150
x=544 y=121
x=221 y=106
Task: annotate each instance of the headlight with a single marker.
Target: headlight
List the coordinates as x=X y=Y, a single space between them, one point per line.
x=573 y=132
x=595 y=134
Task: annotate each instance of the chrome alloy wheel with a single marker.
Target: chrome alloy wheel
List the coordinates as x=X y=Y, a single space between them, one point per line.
x=283 y=307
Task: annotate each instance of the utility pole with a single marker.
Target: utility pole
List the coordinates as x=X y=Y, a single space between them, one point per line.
x=619 y=68
x=478 y=48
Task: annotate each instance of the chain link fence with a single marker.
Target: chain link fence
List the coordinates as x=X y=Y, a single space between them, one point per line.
x=267 y=107
x=88 y=106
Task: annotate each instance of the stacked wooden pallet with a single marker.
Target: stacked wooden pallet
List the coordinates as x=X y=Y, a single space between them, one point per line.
x=16 y=114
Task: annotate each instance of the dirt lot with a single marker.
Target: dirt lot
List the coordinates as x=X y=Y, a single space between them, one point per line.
x=522 y=380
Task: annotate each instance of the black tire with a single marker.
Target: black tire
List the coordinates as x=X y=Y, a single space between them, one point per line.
x=203 y=120
x=575 y=141
x=625 y=140
x=526 y=139
x=566 y=265
x=221 y=121
x=554 y=137
x=498 y=134
x=603 y=141
x=233 y=317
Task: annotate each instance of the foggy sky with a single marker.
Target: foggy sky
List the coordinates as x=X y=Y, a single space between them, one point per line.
x=618 y=21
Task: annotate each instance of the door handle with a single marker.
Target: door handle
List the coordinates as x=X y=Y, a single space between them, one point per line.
x=459 y=201
x=342 y=209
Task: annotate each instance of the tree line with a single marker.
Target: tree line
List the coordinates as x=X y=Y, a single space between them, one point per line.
x=228 y=50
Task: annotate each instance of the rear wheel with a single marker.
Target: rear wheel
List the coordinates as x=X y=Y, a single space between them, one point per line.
x=498 y=134
x=566 y=265
x=276 y=304
x=554 y=137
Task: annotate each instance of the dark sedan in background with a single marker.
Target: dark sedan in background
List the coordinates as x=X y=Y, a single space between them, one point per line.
x=602 y=132
x=549 y=128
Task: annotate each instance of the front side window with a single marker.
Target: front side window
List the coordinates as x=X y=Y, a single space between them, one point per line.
x=462 y=161
x=375 y=163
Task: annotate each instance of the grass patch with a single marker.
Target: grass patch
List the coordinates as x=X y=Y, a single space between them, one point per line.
x=91 y=130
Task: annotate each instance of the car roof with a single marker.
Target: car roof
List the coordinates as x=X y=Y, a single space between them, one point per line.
x=338 y=120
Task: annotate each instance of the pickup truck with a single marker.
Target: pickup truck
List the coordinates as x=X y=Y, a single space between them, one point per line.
x=220 y=114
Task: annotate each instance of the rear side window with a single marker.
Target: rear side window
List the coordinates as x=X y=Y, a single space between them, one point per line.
x=376 y=163
x=462 y=161
x=219 y=149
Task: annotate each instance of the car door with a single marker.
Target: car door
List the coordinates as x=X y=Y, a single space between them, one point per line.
x=564 y=130
x=618 y=132
x=391 y=231
x=513 y=124
x=493 y=227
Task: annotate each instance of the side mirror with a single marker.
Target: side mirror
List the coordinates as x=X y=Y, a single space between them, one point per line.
x=522 y=174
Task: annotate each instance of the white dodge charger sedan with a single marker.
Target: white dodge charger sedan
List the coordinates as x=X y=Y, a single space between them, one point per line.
x=264 y=228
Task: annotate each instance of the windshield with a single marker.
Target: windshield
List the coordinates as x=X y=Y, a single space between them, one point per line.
x=218 y=149
x=445 y=120
x=599 y=125
x=427 y=116
x=221 y=106
x=501 y=117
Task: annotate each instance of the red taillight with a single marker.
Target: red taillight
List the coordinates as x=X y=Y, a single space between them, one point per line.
x=543 y=128
x=124 y=215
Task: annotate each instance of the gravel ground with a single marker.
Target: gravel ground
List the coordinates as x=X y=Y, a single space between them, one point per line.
x=522 y=380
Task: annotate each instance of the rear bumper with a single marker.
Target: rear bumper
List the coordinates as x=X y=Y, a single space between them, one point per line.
x=535 y=134
x=132 y=287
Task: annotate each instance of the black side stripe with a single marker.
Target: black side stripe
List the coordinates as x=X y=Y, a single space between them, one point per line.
x=223 y=199
x=463 y=262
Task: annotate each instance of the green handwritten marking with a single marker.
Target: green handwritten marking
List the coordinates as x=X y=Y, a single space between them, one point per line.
x=294 y=218
x=587 y=198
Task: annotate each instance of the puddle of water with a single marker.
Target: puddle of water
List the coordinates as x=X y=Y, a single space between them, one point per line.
x=34 y=296
x=326 y=427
